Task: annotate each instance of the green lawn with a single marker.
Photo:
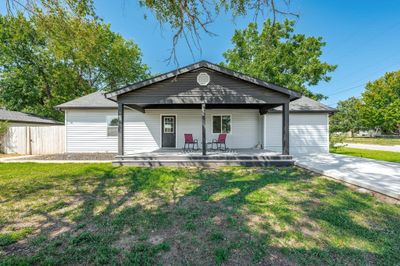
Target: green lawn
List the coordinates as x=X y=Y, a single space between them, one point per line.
x=58 y=214
x=378 y=141
x=371 y=154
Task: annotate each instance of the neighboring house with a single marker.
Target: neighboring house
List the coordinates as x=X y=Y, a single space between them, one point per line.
x=157 y=112
x=17 y=119
x=367 y=133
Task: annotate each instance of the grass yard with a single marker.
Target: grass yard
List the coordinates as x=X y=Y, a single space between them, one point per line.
x=57 y=214
x=388 y=156
x=377 y=141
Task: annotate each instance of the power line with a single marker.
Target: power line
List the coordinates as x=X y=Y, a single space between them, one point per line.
x=357 y=86
x=347 y=89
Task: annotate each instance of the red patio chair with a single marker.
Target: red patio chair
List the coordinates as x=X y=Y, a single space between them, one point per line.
x=220 y=141
x=189 y=140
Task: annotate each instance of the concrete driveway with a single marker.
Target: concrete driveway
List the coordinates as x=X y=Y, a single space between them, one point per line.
x=379 y=176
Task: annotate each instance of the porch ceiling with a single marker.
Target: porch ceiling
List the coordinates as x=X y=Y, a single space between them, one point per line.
x=263 y=108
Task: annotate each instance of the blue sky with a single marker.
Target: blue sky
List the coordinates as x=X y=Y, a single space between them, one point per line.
x=363 y=38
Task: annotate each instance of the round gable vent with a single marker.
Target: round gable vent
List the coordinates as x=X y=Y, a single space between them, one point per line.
x=203 y=79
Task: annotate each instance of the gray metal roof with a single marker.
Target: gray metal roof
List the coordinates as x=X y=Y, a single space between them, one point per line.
x=305 y=104
x=211 y=66
x=93 y=100
x=13 y=116
x=98 y=100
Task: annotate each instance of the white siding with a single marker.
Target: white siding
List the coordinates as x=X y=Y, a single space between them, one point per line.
x=308 y=132
x=142 y=131
x=87 y=129
x=244 y=132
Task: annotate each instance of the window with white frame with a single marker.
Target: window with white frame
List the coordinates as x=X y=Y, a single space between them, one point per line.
x=221 y=123
x=112 y=126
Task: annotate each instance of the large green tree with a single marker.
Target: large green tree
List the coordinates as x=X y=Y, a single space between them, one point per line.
x=186 y=18
x=381 y=103
x=277 y=55
x=348 y=117
x=50 y=58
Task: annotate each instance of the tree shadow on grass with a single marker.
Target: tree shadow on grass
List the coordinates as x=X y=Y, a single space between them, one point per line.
x=145 y=216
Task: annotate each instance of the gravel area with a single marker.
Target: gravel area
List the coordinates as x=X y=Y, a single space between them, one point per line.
x=73 y=156
x=2 y=155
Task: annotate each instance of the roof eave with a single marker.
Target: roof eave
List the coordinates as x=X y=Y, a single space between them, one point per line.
x=32 y=122
x=303 y=111
x=85 y=107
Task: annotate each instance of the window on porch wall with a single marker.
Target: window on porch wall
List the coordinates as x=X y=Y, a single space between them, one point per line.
x=221 y=124
x=112 y=126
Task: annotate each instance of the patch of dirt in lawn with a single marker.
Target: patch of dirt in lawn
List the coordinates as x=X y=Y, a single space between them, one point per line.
x=126 y=240
x=73 y=156
x=275 y=257
x=308 y=227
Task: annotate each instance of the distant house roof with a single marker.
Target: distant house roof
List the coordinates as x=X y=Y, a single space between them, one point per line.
x=305 y=104
x=98 y=100
x=13 y=116
x=204 y=64
x=93 y=100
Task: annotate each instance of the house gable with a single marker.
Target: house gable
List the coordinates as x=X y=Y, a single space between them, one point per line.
x=204 y=65
x=184 y=89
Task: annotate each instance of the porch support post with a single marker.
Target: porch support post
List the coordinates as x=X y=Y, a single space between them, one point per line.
x=120 y=129
x=285 y=129
x=203 y=128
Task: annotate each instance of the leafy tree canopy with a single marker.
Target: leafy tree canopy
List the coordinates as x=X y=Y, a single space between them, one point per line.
x=186 y=18
x=381 y=103
x=277 y=55
x=348 y=116
x=50 y=58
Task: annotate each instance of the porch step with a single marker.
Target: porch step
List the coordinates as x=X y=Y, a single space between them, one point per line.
x=202 y=162
x=206 y=157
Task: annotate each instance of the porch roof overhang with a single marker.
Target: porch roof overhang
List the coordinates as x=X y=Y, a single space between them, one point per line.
x=226 y=89
x=173 y=75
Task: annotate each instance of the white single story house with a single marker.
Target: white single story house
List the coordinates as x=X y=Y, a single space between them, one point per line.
x=202 y=99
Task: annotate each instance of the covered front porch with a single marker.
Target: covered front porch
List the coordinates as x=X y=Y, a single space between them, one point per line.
x=212 y=95
x=164 y=127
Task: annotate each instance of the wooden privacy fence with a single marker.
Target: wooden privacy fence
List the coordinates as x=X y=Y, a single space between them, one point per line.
x=35 y=140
